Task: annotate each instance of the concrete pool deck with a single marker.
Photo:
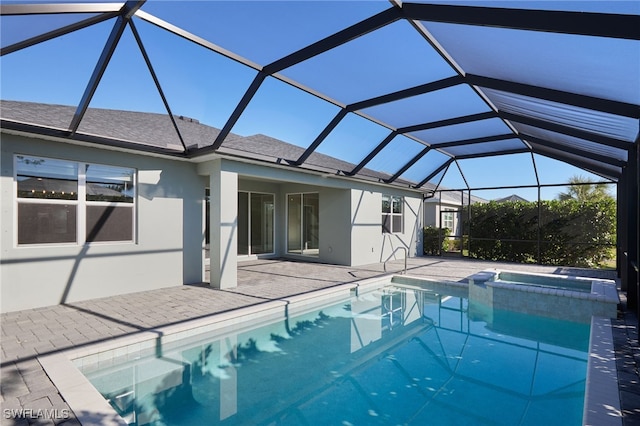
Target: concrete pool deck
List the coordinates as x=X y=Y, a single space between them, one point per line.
x=32 y=333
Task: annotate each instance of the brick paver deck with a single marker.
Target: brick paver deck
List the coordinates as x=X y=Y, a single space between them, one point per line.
x=30 y=333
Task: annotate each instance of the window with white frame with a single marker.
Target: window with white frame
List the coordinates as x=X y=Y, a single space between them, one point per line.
x=392 y=214
x=60 y=201
x=447 y=219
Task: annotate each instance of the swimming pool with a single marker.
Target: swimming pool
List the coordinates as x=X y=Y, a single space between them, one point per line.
x=393 y=355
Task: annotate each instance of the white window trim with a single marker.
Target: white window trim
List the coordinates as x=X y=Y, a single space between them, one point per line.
x=448 y=212
x=81 y=203
x=391 y=214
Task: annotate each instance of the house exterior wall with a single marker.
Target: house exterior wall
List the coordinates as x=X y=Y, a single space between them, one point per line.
x=350 y=213
x=334 y=235
x=431 y=214
x=335 y=227
x=169 y=234
x=167 y=248
x=366 y=227
x=334 y=209
x=432 y=210
x=370 y=244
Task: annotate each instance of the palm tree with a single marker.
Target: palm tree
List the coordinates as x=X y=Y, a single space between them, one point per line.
x=583 y=188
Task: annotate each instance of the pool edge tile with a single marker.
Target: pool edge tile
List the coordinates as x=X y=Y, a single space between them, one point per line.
x=88 y=405
x=602 y=398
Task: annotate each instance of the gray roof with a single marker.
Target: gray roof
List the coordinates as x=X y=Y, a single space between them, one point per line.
x=455 y=198
x=129 y=126
x=280 y=150
x=157 y=130
x=510 y=198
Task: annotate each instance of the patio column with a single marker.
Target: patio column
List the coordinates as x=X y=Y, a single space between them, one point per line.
x=223 y=227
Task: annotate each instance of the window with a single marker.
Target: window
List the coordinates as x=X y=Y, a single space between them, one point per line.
x=69 y=202
x=303 y=224
x=255 y=223
x=109 y=203
x=392 y=214
x=447 y=219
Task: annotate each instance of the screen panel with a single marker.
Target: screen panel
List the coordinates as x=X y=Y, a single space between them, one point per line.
x=484 y=147
x=571 y=141
x=424 y=166
x=247 y=27
x=600 y=123
x=592 y=166
x=393 y=156
x=609 y=6
x=362 y=68
x=283 y=112
x=114 y=102
x=555 y=61
x=442 y=104
x=487 y=172
x=198 y=83
x=43 y=73
x=554 y=172
x=464 y=131
x=353 y=139
x=17 y=28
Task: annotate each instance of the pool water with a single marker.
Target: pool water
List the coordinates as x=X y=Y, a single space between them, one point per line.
x=390 y=356
x=538 y=280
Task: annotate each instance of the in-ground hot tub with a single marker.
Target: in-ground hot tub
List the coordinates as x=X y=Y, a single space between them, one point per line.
x=580 y=297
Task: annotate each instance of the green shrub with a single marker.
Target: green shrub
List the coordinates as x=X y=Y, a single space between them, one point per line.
x=572 y=233
x=431 y=241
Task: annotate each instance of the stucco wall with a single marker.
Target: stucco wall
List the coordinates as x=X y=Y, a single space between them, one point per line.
x=335 y=226
x=170 y=233
x=333 y=217
x=350 y=213
x=432 y=215
x=369 y=243
x=366 y=231
x=167 y=250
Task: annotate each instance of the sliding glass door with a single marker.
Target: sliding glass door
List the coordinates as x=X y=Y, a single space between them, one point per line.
x=255 y=223
x=303 y=224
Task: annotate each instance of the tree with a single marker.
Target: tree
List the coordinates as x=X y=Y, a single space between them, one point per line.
x=584 y=189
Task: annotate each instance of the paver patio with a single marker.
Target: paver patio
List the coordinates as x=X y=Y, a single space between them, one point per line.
x=30 y=333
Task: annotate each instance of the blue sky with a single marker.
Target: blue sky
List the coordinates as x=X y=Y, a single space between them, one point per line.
x=204 y=85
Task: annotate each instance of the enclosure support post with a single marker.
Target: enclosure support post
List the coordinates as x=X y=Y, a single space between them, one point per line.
x=636 y=200
x=539 y=226
x=621 y=229
x=469 y=225
x=629 y=247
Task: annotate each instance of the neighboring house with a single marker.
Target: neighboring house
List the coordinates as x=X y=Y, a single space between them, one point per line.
x=82 y=221
x=444 y=210
x=511 y=198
